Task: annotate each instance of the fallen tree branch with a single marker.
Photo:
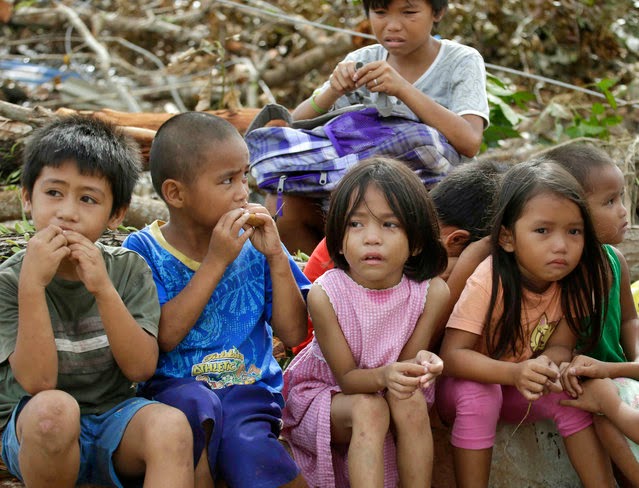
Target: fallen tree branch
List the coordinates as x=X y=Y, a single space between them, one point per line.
x=140 y=125
x=305 y=62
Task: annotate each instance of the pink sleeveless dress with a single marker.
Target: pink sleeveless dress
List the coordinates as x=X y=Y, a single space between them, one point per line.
x=376 y=324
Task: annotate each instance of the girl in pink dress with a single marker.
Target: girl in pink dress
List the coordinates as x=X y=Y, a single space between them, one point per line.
x=358 y=395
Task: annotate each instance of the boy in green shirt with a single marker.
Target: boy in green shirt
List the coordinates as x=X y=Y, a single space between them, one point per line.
x=78 y=326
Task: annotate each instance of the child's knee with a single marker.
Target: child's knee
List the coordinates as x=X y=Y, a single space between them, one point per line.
x=410 y=412
x=51 y=419
x=472 y=400
x=370 y=410
x=168 y=427
x=569 y=420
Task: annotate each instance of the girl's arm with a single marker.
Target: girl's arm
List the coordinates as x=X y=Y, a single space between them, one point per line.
x=350 y=378
x=432 y=320
x=601 y=397
x=584 y=366
x=461 y=360
x=465 y=266
x=560 y=344
x=320 y=102
x=464 y=132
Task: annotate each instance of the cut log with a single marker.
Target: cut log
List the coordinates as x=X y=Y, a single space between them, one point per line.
x=16 y=122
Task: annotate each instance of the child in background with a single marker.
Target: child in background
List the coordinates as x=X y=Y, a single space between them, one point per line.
x=78 y=322
x=224 y=286
x=518 y=318
x=438 y=82
x=464 y=202
x=617 y=351
x=366 y=373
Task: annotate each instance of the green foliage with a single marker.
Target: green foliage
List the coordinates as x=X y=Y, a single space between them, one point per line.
x=127 y=228
x=286 y=360
x=8 y=157
x=301 y=256
x=503 y=117
x=598 y=121
x=508 y=108
x=24 y=228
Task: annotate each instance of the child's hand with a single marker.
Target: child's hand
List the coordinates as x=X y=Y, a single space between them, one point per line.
x=403 y=378
x=581 y=366
x=265 y=237
x=226 y=242
x=343 y=78
x=88 y=260
x=379 y=76
x=536 y=376
x=594 y=395
x=45 y=250
x=433 y=364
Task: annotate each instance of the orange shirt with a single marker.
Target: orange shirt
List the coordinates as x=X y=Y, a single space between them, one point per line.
x=540 y=314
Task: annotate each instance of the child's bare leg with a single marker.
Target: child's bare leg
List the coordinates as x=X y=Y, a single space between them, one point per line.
x=298 y=482
x=203 y=476
x=472 y=467
x=589 y=458
x=158 y=443
x=48 y=430
x=362 y=421
x=414 y=439
x=617 y=447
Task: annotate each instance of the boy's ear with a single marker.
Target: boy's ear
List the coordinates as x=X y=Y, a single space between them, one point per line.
x=456 y=241
x=440 y=15
x=117 y=218
x=26 y=200
x=506 y=239
x=173 y=193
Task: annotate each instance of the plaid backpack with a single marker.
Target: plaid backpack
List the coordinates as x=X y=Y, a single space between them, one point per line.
x=311 y=156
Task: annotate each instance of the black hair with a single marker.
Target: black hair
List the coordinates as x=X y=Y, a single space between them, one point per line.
x=584 y=291
x=97 y=147
x=438 y=6
x=580 y=160
x=465 y=198
x=182 y=143
x=408 y=199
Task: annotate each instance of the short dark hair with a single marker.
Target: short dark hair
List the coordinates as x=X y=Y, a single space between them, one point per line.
x=408 y=199
x=97 y=147
x=465 y=198
x=580 y=159
x=181 y=144
x=437 y=5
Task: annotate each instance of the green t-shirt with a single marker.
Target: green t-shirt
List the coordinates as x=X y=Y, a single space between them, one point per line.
x=86 y=367
x=609 y=347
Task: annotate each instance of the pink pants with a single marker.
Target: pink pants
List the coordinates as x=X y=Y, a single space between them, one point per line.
x=475 y=408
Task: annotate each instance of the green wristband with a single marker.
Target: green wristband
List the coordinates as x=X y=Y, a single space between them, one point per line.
x=316 y=107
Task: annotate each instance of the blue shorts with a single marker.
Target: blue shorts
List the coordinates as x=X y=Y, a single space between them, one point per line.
x=100 y=436
x=243 y=449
